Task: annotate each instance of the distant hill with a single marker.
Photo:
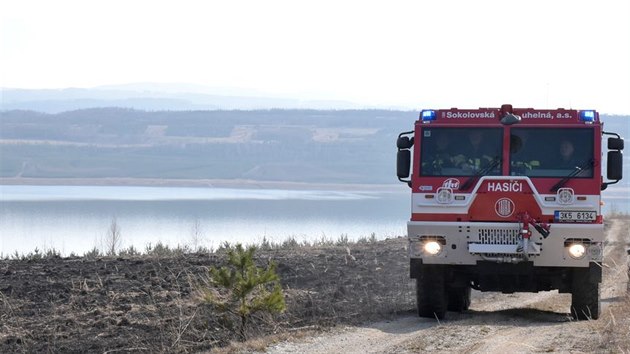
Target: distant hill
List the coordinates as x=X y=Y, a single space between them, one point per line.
x=157 y=97
x=316 y=146
x=350 y=146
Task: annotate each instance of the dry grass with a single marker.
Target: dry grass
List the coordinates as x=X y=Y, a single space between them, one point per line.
x=110 y=246
x=613 y=327
x=614 y=324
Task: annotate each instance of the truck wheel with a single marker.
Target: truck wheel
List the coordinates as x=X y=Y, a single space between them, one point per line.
x=585 y=302
x=459 y=299
x=431 y=293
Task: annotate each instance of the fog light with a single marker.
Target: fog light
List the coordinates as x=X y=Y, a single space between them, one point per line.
x=595 y=251
x=432 y=248
x=577 y=250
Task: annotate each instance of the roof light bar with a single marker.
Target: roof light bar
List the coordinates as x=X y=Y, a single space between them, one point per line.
x=428 y=115
x=587 y=116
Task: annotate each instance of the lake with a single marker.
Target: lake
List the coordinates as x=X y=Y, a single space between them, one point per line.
x=77 y=218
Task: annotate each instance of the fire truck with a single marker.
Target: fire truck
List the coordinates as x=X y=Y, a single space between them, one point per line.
x=506 y=200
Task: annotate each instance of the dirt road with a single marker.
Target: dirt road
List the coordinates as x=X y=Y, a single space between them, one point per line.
x=500 y=323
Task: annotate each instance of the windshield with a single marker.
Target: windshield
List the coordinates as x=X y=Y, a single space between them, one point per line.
x=460 y=151
x=537 y=152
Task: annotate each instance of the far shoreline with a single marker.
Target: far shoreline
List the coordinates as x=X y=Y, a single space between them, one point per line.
x=201 y=183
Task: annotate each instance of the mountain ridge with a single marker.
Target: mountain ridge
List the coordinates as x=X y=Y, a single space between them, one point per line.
x=152 y=97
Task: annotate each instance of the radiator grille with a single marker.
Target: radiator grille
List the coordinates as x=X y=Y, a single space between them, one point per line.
x=498 y=236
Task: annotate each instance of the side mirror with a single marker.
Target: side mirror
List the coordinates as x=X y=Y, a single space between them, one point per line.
x=615 y=164
x=615 y=144
x=404 y=142
x=614 y=171
x=403 y=162
x=403 y=157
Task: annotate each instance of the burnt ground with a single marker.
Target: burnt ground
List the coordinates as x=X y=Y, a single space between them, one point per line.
x=153 y=303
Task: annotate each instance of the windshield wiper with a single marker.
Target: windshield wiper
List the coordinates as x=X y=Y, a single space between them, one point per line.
x=494 y=163
x=585 y=166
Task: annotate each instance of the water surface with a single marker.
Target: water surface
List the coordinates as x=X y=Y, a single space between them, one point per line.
x=77 y=218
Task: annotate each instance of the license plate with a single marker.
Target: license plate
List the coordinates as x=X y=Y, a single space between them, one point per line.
x=575 y=216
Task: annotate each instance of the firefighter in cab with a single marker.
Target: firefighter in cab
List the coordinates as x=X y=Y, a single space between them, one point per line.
x=442 y=157
x=521 y=159
x=474 y=154
x=567 y=158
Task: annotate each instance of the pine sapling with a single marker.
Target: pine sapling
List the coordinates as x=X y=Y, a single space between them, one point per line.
x=241 y=288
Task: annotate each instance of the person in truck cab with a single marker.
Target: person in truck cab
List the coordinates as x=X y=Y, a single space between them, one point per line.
x=475 y=154
x=521 y=161
x=443 y=155
x=567 y=157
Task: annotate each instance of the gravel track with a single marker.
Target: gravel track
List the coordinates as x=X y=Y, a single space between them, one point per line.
x=495 y=323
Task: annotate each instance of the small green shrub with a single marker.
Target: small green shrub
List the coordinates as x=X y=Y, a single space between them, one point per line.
x=130 y=251
x=342 y=240
x=92 y=254
x=242 y=289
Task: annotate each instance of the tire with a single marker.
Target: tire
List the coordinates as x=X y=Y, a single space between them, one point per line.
x=431 y=293
x=458 y=299
x=585 y=303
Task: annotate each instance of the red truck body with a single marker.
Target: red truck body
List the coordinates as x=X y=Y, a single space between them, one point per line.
x=506 y=199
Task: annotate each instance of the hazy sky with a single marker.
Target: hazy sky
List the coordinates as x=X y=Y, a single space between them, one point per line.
x=414 y=54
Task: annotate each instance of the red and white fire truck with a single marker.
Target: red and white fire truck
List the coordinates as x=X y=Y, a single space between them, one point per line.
x=506 y=199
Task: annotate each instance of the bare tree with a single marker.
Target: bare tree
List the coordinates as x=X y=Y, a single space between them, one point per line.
x=113 y=239
x=196 y=235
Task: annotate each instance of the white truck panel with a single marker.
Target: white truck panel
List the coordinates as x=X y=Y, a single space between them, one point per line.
x=460 y=235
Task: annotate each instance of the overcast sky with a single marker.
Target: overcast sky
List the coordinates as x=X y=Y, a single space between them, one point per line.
x=412 y=54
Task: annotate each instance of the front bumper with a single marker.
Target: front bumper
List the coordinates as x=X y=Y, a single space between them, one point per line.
x=510 y=278
x=466 y=243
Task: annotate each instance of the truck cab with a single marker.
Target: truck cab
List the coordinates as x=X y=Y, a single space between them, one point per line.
x=506 y=199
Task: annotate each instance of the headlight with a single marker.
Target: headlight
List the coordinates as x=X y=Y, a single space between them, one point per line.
x=577 y=250
x=432 y=248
